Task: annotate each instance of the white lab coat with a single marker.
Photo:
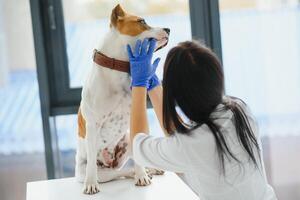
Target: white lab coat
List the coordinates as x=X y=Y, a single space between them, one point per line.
x=195 y=156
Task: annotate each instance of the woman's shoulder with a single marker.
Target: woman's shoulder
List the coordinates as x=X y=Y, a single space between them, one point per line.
x=200 y=137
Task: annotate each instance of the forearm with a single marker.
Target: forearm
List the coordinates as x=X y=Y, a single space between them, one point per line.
x=156 y=98
x=138 y=118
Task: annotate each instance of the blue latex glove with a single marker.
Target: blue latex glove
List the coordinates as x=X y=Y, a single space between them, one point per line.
x=141 y=69
x=153 y=82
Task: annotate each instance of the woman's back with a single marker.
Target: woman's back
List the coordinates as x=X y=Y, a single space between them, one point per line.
x=240 y=179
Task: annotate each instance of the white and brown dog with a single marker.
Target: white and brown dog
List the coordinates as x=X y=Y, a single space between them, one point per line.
x=104 y=113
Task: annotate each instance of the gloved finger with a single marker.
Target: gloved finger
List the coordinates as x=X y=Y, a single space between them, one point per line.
x=129 y=51
x=155 y=77
x=152 y=46
x=155 y=63
x=137 y=48
x=154 y=66
x=144 y=46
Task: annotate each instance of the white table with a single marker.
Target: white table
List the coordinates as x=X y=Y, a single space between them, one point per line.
x=168 y=186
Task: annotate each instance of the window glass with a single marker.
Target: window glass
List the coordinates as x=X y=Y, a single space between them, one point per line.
x=66 y=127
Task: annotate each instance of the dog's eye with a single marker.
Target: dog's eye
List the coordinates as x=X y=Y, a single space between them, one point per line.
x=142 y=21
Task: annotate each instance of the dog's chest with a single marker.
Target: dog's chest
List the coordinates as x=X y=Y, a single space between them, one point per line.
x=112 y=138
x=115 y=125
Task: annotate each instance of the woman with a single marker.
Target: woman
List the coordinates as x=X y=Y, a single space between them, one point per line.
x=211 y=140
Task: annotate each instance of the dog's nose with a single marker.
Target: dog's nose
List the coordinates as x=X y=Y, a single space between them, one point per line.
x=167 y=30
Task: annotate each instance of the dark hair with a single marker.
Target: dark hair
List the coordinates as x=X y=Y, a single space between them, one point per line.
x=193 y=80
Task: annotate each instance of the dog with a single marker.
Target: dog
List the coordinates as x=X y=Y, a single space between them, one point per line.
x=104 y=112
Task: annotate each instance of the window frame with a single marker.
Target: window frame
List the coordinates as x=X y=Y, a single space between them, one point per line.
x=56 y=95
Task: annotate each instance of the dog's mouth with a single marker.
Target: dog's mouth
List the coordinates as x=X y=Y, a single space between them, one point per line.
x=161 y=42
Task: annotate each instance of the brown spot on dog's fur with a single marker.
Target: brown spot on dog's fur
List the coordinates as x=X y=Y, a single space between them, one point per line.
x=100 y=164
x=81 y=125
x=126 y=23
x=119 y=151
x=116 y=155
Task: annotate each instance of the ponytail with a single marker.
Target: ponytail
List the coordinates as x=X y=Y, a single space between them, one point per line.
x=244 y=133
x=243 y=128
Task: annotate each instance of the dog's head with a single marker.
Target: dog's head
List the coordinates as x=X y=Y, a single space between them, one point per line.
x=133 y=28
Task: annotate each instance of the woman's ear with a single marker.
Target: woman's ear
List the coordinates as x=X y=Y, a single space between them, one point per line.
x=117 y=14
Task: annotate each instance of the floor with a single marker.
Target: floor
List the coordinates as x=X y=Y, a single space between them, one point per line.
x=16 y=170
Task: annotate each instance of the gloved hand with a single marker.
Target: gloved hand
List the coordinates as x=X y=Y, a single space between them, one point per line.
x=141 y=69
x=153 y=82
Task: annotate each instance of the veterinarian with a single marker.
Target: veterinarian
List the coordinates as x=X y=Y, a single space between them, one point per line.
x=212 y=140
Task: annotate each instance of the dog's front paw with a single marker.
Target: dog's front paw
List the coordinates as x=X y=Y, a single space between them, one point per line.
x=91 y=188
x=143 y=179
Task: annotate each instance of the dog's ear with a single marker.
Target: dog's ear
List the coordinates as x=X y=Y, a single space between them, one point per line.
x=117 y=13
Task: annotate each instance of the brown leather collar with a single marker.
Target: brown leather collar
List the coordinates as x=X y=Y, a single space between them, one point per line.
x=111 y=63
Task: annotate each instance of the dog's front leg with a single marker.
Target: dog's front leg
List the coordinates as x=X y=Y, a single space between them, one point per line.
x=142 y=178
x=91 y=185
